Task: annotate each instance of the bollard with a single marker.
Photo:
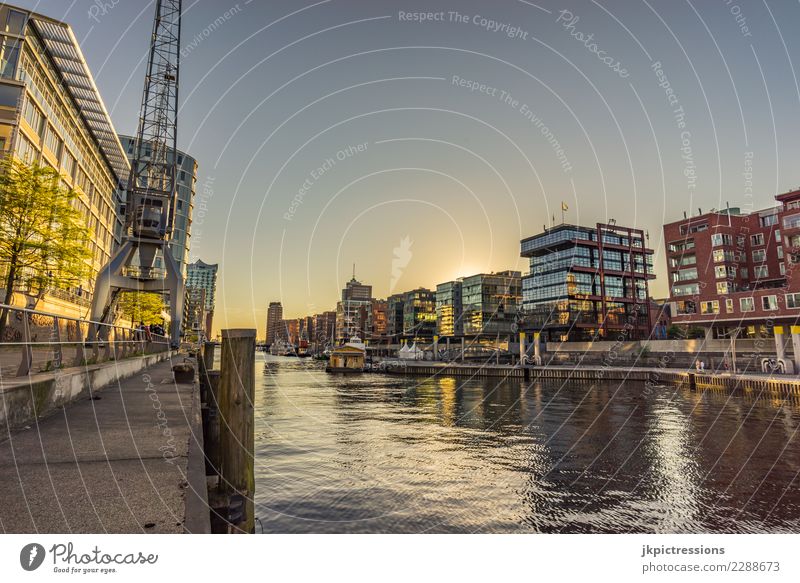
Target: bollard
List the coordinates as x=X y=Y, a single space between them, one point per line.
x=237 y=437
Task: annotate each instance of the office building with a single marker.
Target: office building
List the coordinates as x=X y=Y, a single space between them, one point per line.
x=186 y=179
x=274 y=317
x=732 y=272
x=204 y=276
x=490 y=304
x=394 y=316
x=419 y=315
x=354 y=311
x=449 y=309
x=52 y=114
x=587 y=283
x=194 y=312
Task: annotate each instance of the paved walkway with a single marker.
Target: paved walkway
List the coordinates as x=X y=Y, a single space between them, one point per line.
x=114 y=463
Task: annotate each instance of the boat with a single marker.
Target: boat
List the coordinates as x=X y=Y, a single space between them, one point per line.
x=281 y=348
x=348 y=358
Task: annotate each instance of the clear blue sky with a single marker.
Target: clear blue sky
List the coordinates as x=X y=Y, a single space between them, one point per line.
x=272 y=90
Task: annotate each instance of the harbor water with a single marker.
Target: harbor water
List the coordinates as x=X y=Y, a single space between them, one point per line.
x=370 y=453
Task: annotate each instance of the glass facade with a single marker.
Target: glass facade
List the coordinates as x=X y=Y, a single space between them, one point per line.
x=40 y=123
x=449 y=309
x=490 y=303
x=419 y=314
x=583 y=280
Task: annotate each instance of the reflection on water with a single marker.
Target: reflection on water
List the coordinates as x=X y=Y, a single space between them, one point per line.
x=372 y=453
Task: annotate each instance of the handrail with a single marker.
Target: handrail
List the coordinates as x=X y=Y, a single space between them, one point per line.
x=114 y=343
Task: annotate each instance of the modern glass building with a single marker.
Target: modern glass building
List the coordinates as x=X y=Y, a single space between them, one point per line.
x=180 y=244
x=419 y=314
x=51 y=113
x=449 y=309
x=490 y=304
x=203 y=276
x=585 y=283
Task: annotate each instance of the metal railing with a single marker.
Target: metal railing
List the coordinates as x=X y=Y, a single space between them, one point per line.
x=33 y=342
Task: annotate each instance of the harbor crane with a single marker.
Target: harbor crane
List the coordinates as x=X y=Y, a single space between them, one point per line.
x=151 y=192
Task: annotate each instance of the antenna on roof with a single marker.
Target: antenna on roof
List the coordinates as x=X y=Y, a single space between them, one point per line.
x=684 y=214
x=699 y=211
x=354 y=271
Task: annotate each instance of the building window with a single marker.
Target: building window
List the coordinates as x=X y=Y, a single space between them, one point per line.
x=745 y=273
x=718 y=239
x=791 y=222
x=782 y=268
x=792 y=300
x=731 y=271
x=722 y=288
x=9 y=54
x=729 y=306
x=779 y=251
x=53 y=142
x=769 y=303
x=778 y=235
x=769 y=220
x=759 y=255
x=720 y=271
x=33 y=116
x=747 y=305
x=761 y=271
x=757 y=240
x=686 y=290
x=711 y=307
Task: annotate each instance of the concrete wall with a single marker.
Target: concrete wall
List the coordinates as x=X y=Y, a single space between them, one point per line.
x=24 y=400
x=699 y=346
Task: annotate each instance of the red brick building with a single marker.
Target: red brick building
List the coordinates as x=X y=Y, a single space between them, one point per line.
x=730 y=270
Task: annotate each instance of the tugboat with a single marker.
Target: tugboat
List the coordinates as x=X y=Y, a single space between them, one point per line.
x=350 y=358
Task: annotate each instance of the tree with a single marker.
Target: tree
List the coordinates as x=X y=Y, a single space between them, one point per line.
x=141 y=306
x=43 y=240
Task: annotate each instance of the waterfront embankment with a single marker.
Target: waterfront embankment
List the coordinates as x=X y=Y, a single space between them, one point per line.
x=778 y=384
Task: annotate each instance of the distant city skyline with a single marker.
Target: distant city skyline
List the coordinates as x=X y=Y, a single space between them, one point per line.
x=424 y=149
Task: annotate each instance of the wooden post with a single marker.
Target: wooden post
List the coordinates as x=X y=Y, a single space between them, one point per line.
x=205 y=363
x=237 y=439
x=211 y=424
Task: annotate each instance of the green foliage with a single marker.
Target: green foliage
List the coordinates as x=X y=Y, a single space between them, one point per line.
x=43 y=240
x=696 y=333
x=141 y=306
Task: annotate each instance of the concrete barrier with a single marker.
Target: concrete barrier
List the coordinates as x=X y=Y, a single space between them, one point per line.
x=25 y=400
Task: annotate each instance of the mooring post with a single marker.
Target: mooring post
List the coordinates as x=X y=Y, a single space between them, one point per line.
x=211 y=424
x=237 y=439
x=205 y=363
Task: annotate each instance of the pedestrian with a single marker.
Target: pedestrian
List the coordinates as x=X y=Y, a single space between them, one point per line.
x=697 y=365
x=702 y=366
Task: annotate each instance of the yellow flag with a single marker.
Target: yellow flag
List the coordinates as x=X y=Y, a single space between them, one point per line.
x=564 y=207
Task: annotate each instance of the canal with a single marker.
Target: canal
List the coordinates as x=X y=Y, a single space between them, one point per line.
x=379 y=454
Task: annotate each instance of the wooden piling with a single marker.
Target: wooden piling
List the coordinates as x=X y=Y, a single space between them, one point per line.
x=237 y=437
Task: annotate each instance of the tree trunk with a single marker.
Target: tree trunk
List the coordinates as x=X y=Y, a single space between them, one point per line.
x=10 y=281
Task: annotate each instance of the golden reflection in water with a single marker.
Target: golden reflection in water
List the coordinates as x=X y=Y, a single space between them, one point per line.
x=448 y=387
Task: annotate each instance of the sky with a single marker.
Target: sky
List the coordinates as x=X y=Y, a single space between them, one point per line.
x=420 y=141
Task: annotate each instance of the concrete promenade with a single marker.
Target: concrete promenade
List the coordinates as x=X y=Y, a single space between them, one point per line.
x=115 y=462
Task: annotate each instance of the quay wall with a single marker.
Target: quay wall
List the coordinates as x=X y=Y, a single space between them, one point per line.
x=25 y=400
x=784 y=385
